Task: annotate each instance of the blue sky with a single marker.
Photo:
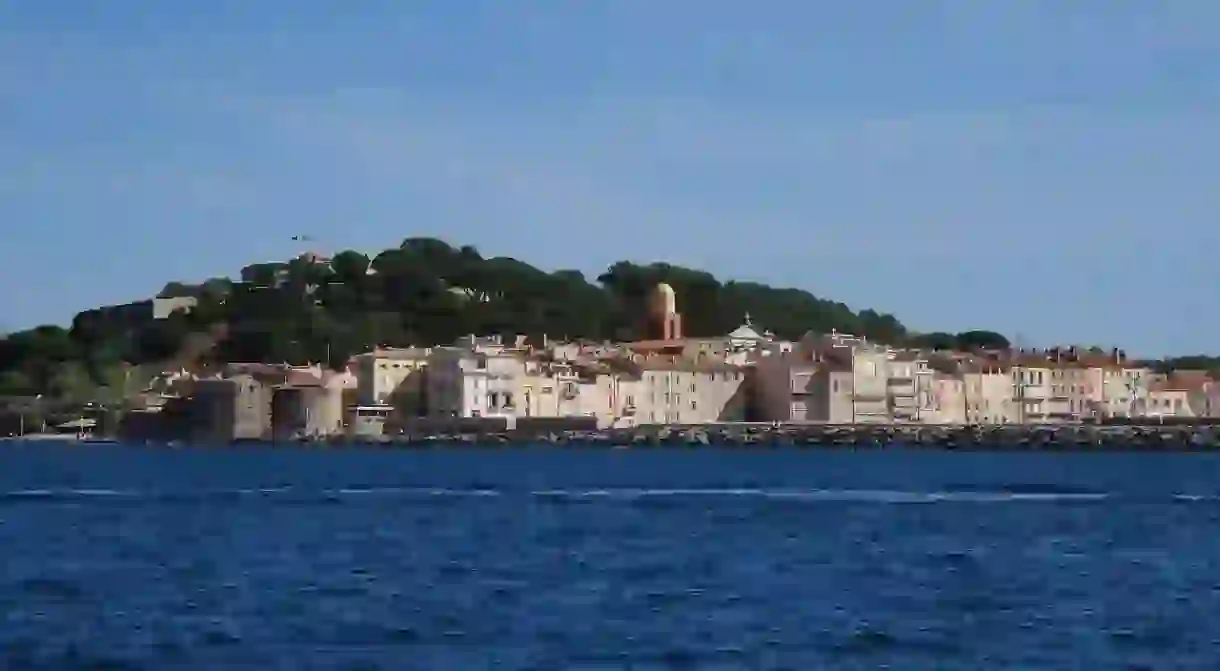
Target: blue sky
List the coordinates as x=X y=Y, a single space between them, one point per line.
x=1044 y=168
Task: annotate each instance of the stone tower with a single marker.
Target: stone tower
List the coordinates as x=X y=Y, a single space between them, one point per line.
x=666 y=321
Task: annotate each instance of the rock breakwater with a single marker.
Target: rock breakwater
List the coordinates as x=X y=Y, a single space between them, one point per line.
x=987 y=437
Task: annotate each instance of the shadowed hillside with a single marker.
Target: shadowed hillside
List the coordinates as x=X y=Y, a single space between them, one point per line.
x=422 y=292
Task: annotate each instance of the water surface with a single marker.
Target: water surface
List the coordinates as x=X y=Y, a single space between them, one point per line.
x=265 y=558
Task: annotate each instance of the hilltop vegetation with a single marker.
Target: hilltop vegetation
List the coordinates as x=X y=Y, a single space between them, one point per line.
x=422 y=292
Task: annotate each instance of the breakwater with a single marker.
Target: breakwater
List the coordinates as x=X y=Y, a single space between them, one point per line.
x=985 y=437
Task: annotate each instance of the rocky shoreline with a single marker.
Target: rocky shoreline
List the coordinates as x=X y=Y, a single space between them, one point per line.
x=989 y=437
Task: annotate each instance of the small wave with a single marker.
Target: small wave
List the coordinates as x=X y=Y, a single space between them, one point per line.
x=299 y=495
x=412 y=491
x=65 y=493
x=831 y=495
x=1195 y=498
x=239 y=493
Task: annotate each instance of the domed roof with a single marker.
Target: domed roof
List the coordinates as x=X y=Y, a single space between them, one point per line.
x=746 y=331
x=664 y=299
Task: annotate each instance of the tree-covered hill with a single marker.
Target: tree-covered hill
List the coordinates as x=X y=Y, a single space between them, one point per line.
x=422 y=292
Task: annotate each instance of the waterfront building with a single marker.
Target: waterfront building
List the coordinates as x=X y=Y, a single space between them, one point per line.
x=909 y=383
x=948 y=404
x=784 y=388
x=464 y=383
x=1180 y=394
x=1031 y=382
x=988 y=394
x=392 y=376
x=307 y=411
x=835 y=378
x=227 y=409
x=673 y=390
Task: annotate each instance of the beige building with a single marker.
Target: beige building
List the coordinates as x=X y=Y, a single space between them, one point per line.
x=392 y=376
x=1031 y=381
x=307 y=411
x=834 y=378
x=988 y=392
x=1117 y=389
x=1181 y=394
x=229 y=409
x=550 y=389
x=1166 y=399
x=910 y=386
x=786 y=386
x=1206 y=402
x=681 y=391
x=1070 y=391
x=948 y=400
x=868 y=376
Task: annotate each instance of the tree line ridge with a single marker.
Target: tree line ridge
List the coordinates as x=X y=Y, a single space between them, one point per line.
x=423 y=292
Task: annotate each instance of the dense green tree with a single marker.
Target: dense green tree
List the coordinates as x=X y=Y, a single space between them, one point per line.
x=969 y=340
x=937 y=340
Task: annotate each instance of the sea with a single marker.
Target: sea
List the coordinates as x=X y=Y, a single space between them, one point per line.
x=278 y=557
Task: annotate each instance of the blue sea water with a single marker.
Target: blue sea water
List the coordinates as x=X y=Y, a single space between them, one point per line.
x=266 y=558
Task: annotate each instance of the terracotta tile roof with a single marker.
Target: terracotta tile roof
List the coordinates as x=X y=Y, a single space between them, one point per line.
x=657 y=344
x=1183 y=381
x=689 y=365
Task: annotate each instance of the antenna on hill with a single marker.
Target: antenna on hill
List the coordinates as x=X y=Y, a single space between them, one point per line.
x=304 y=243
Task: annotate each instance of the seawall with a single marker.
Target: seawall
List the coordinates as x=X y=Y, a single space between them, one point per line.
x=987 y=437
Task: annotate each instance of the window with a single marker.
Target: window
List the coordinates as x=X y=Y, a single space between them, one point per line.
x=692 y=386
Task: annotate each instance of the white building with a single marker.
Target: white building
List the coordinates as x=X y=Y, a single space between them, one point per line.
x=466 y=383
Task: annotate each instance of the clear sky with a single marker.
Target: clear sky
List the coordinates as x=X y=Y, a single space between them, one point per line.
x=1049 y=169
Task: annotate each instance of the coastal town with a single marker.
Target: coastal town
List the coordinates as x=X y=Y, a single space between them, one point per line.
x=483 y=384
